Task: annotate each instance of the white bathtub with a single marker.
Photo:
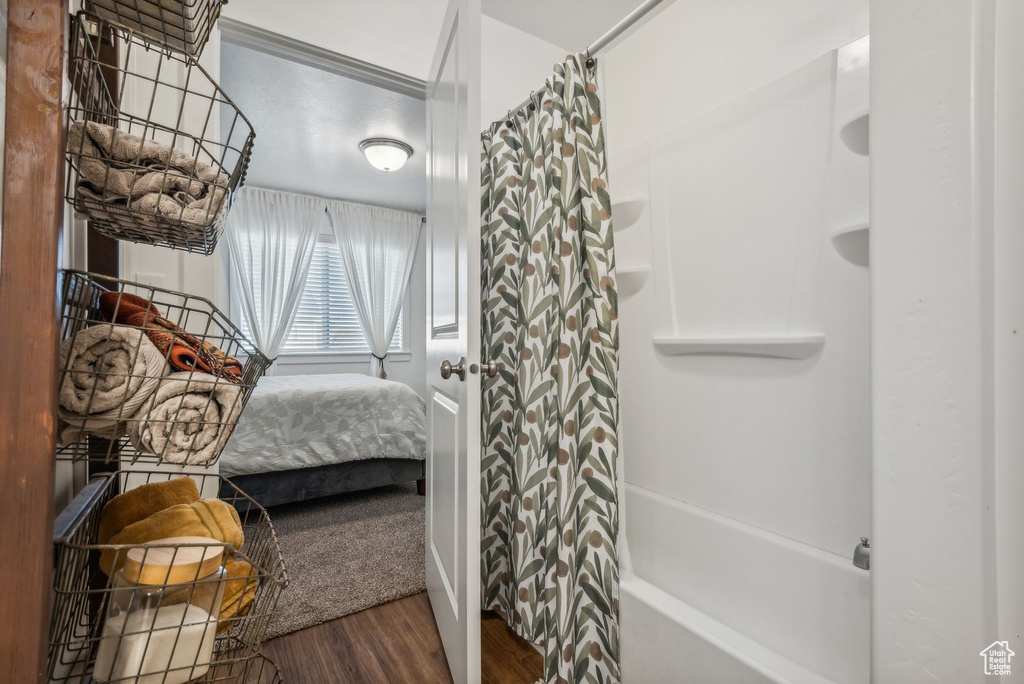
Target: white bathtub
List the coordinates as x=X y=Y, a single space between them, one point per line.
x=709 y=600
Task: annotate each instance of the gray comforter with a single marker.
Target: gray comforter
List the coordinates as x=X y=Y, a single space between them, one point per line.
x=302 y=421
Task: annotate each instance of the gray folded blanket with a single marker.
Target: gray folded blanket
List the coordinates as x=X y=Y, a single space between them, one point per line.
x=123 y=170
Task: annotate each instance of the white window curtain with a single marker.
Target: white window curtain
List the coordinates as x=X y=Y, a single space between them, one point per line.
x=378 y=247
x=270 y=238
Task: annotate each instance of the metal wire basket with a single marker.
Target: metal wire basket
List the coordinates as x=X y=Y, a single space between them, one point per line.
x=180 y=24
x=258 y=670
x=82 y=590
x=148 y=374
x=158 y=158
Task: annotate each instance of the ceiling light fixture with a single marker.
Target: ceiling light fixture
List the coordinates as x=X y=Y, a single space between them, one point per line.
x=385 y=154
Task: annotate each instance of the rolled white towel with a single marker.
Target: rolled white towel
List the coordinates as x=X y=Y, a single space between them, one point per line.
x=109 y=371
x=188 y=419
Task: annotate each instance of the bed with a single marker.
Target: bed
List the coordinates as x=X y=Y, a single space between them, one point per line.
x=306 y=436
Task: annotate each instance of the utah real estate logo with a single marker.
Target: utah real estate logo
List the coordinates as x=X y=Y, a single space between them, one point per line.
x=997 y=658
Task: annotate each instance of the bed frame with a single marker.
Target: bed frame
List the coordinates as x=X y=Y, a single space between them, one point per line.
x=290 y=486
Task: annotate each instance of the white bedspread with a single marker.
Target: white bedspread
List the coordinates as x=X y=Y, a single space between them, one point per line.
x=302 y=421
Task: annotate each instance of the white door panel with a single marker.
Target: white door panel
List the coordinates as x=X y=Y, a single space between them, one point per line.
x=444 y=504
x=453 y=333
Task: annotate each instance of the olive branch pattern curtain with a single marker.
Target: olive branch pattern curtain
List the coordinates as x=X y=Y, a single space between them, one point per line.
x=550 y=506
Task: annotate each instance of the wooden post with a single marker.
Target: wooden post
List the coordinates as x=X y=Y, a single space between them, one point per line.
x=33 y=208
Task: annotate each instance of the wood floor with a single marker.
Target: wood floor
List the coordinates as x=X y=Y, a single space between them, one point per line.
x=395 y=643
x=505 y=658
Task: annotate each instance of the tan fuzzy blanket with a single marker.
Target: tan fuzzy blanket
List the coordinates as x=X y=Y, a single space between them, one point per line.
x=109 y=371
x=188 y=419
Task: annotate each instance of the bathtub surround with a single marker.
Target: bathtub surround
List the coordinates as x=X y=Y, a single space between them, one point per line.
x=550 y=415
x=748 y=474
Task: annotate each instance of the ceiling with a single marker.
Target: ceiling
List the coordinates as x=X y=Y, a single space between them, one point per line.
x=569 y=24
x=309 y=123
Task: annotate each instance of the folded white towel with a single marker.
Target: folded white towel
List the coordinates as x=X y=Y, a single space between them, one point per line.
x=188 y=419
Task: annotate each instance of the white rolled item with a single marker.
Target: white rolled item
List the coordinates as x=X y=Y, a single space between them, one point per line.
x=189 y=418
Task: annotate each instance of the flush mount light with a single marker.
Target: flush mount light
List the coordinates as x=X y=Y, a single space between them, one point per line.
x=386 y=154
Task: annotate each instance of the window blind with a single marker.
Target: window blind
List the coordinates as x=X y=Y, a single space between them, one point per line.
x=326 y=320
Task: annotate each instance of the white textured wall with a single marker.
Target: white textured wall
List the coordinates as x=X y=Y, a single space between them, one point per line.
x=947 y=98
x=781 y=446
x=513 y=64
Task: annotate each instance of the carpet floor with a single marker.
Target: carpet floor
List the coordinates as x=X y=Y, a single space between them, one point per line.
x=347 y=553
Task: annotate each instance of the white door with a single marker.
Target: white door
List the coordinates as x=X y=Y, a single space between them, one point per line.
x=453 y=337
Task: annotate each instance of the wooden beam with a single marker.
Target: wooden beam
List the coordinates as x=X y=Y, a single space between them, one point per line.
x=30 y=231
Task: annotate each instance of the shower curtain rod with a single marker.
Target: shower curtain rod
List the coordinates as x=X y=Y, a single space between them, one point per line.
x=613 y=33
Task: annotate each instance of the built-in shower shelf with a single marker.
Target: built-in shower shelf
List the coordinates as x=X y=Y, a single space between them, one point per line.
x=855 y=134
x=626 y=212
x=852 y=242
x=631 y=279
x=772 y=346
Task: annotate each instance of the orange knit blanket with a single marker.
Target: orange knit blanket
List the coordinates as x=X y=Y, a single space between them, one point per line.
x=182 y=350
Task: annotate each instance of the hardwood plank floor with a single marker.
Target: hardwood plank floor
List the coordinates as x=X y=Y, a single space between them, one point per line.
x=506 y=658
x=395 y=643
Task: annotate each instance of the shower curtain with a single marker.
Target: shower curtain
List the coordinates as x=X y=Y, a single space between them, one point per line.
x=550 y=416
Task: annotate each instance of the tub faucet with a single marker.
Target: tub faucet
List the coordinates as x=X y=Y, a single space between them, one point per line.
x=862 y=554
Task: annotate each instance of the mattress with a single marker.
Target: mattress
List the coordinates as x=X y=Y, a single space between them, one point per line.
x=304 y=421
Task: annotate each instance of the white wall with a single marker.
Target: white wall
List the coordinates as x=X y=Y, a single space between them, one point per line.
x=513 y=63
x=947 y=144
x=782 y=446
x=698 y=54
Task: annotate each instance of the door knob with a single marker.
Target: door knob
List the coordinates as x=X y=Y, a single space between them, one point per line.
x=458 y=369
x=491 y=368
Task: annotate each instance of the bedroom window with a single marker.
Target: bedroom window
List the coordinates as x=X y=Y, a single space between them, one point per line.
x=327 y=320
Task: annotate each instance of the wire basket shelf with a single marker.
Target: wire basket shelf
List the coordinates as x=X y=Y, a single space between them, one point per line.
x=83 y=592
x=259 y=670
x=157 y=158
x=183 y=25
x=148 y=374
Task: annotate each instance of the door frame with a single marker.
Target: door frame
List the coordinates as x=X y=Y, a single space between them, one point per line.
x=33 y=209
